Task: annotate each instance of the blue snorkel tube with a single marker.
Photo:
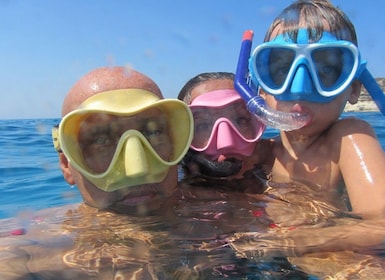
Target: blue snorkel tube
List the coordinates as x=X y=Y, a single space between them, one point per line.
x=374 y=89
x=255 y=103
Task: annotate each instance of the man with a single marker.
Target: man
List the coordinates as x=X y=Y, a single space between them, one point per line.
x=119 y=141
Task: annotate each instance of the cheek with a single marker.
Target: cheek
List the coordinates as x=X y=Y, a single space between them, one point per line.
x=271 y=101
x=98 y=164
x=164 y=154
x=98 y=160
x=91 y=194
x=163 y=148
x=170 y=183
x=96 y=197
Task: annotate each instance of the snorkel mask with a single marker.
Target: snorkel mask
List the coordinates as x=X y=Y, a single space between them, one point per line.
x=127 y=129
x=316 y=72
x=223 y=125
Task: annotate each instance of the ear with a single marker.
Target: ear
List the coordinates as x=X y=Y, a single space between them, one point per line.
x=356 y=90
x=65 y=169
x=262 y=93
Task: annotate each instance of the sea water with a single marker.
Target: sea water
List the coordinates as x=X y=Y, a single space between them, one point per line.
x=31 y=180
x=30 y=177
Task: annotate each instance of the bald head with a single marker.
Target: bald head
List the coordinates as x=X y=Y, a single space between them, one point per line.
x=105 y=79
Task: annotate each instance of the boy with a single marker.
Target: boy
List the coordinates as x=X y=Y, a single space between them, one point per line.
x=310 y=64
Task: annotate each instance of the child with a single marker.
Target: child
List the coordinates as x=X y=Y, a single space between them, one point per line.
x=227 y=140
x=310 y=65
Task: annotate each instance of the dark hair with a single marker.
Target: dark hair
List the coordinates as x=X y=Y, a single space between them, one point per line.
x=185 y=92
x=314 y=13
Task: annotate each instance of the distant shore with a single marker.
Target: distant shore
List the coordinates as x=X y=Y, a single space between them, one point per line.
x=365 y=102
x=362 y=106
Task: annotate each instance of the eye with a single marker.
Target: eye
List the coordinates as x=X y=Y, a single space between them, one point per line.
x=329 y=69
x=243 y=121
x=240 y=115
x=202 y=122
x=153 y=128
x=101 y=140
x=328 y=73
x=152 y=133
x=201 y=126
x=280 y=73
x=100 y=136
x=280 y=62
x=329 y=65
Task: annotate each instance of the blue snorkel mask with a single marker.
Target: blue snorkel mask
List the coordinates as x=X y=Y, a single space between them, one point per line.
x=316 y=72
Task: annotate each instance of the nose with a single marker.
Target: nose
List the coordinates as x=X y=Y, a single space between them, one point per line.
x=302 y=83
x=135 y=160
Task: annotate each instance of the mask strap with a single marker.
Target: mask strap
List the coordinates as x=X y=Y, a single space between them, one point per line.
x=374 y=89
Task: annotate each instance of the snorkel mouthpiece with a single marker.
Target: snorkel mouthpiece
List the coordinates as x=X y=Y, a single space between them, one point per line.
x=255 y=103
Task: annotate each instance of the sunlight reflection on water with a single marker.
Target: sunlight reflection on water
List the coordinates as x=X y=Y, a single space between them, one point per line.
x=192 y=237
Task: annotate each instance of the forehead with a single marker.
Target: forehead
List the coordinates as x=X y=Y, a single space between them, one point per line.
x=280 y=29
x=211 y=85
x=107 y=79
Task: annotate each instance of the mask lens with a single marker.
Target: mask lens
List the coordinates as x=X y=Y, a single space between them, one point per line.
x=280 y=62
x=301 y=70
x=333 y=66
x=236 y=114
x=99 y=135
x=273 y=65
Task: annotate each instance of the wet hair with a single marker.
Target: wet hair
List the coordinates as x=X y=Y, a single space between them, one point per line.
x=185 y=92
x=313 y=14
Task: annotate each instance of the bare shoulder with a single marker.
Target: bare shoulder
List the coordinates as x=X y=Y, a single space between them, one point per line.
x=351 y=125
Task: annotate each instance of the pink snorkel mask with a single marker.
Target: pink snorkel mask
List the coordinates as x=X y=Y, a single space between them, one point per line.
x=223 y=125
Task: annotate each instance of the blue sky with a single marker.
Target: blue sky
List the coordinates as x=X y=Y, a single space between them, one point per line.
x=47 y=45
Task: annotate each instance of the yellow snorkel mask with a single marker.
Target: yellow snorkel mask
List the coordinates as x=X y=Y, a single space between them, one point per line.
x=126 y=137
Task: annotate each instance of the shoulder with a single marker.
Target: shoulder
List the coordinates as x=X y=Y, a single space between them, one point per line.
x=351 y=125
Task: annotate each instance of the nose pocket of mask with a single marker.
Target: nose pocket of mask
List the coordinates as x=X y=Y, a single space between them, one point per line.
x=226 y=139
x=135 y=158
x=302 y=82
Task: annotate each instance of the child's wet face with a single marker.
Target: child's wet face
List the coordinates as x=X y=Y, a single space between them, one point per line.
x=322 y=114
x=236 y=113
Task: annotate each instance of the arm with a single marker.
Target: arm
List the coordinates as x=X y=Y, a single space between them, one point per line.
x=359 y=236
x=362 y=164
